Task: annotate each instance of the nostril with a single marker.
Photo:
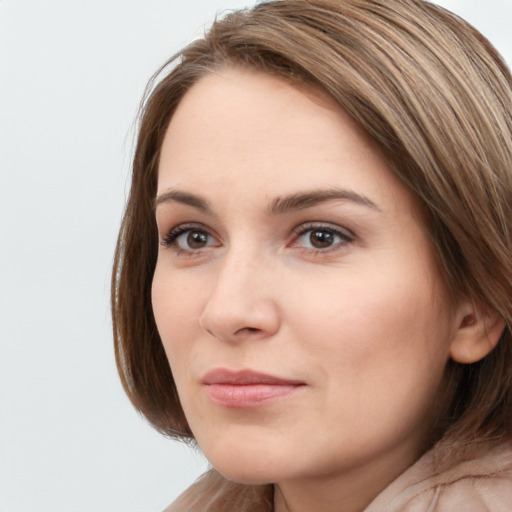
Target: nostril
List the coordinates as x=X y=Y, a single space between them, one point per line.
x=247 y=330
x=229 y=320
x=210 y=332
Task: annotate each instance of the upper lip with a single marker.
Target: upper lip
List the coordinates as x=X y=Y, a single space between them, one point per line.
x=244 y=378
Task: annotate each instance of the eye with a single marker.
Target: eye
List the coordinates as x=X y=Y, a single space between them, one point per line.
x=189 y=238
x=321 y=237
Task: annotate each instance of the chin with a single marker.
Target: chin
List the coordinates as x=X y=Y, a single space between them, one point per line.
x=246 y=467
x=251 y=474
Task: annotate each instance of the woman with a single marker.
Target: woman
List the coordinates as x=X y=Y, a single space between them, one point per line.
x=312 y=280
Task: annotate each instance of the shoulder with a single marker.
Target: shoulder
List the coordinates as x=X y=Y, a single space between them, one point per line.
x=480 y=483
x=213 y=493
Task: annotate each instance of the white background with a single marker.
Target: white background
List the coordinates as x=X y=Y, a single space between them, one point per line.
x=71 y=75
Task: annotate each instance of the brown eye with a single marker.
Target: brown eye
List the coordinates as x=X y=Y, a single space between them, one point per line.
x=197 y=239
x=186 y=238
x=321 y=239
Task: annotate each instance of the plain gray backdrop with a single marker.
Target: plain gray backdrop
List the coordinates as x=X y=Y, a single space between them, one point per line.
x=72 y=73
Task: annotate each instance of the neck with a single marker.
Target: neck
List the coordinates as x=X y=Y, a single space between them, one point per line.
x=351 y=490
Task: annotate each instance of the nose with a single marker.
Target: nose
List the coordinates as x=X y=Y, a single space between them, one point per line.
x=242 y=304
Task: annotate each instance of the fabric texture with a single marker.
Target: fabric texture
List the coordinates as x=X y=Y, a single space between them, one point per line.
x=448 y=478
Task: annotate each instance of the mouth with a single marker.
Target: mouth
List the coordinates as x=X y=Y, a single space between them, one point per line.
x=246 y=388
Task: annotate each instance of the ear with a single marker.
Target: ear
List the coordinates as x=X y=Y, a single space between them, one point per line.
x=480 y=328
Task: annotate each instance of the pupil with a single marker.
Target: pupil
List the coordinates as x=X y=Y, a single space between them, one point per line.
x=321 y=239
x=196 y=240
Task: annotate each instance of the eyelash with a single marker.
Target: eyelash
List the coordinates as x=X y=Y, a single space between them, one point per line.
x=345 y=237
x=171 y=238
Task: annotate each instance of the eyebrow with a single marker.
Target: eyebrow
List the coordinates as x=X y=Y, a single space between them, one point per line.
x=177 y=196
x=280 y=205
x=303 y=200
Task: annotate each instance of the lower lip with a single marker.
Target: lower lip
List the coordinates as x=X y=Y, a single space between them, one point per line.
x=248 y=395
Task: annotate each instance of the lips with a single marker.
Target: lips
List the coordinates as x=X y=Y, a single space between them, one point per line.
x=246 y=388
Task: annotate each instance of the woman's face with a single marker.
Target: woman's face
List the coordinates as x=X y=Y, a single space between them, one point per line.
x=296 y=294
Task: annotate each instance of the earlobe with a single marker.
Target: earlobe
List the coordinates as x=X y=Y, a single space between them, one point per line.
x=479 y=331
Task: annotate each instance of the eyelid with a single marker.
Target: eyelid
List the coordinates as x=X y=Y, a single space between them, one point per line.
x=312 y=225
x=346 y=236
x=168 y=241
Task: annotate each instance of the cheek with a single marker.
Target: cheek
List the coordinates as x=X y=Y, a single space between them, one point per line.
x=379 y=350
x=176 y=307
x=375 y=323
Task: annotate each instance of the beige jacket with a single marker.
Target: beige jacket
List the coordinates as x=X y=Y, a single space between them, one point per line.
x=480 y=481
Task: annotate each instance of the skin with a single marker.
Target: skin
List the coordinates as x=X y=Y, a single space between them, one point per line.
x=363 y=321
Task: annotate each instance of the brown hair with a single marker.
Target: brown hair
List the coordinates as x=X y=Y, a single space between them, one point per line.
x=435 y=96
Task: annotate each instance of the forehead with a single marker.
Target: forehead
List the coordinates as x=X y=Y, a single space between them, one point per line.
x=245 y=128
x=246 y=108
